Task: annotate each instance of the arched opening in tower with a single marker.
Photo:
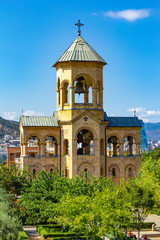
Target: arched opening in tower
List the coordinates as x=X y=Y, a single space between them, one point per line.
x=85 y=142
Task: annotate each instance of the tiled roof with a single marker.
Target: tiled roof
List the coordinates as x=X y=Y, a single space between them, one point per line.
x=79 y=50
x=123 y=121
x=37 y=121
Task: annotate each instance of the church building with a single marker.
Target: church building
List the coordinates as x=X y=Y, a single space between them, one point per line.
x=80 y=136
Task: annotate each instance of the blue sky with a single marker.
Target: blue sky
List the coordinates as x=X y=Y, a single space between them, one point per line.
x=35 y=33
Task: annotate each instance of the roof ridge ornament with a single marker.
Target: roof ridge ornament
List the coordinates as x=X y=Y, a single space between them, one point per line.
x=79 y=25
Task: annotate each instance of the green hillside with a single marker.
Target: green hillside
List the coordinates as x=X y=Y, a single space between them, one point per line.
x=8 y=127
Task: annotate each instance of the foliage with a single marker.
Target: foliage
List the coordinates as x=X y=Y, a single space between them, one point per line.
x=14 y=181
x=9 y=221
x=38 y=202
x=22 y=236
x=94 y=215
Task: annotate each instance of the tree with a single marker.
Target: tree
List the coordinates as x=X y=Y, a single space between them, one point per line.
x=14 y=181
x=9 y=221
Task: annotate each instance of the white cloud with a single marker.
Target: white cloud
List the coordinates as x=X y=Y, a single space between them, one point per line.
x=10 y=115
x=32 y=113
x=94 y=14
x=146 y=115
x=138 y=109
x=130 y=15
x=15 y=117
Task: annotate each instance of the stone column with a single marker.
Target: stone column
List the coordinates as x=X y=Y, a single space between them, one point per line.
x=24 y=149
x=137 y=149
x=38 y=149
x=21 y=149
x=121 y=149
x=71 y=96
x=94 y=96
x=114 y=149
x=61 y=97
x=58 y=97
x=42 y=149
x=101 y=97
x=86 y=97
x=130 y=148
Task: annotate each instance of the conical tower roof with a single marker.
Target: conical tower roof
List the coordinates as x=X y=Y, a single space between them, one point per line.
x=80 y=50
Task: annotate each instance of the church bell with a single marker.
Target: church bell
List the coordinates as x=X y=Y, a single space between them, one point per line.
x=79 y=86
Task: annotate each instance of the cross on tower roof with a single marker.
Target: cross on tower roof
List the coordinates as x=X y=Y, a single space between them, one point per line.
x=79 y=24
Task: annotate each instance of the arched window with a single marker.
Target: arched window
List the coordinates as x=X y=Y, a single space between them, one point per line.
x=65 y=147
x=85 y=142
x=129 y=172
x=113 y=172
x=34 y=172
x=113 y=146
x=129 y=146
x=51 y=170
x=51 y=146
x=33 y=145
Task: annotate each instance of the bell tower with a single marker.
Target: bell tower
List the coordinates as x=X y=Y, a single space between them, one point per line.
x=79 y=80
x=80 y=108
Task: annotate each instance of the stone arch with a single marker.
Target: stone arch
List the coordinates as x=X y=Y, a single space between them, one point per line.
x=32 y=135
x=113 y=146
x=85 y=142
x=116 y=135
x=87 y=128
x=85 y=82
x=51 y=148
x=85 y=75
x=62 y=83
x=50 y=167
x=129 y=145
x=85 y=165
x=130 y=170
x=132 y=135
x=37 y=168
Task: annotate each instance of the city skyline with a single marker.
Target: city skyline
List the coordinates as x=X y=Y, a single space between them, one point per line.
x=34 y=34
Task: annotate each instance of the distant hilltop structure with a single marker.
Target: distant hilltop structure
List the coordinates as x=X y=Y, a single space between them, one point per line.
x=80 y=136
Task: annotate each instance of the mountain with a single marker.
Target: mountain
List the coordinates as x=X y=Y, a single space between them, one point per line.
x=12 y=128
x=8 y=127
x=152 y=131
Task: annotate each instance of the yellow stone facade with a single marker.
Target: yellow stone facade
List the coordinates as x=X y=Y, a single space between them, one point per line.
x=82 y=138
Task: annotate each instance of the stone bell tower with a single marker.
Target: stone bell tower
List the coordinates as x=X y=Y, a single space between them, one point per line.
x=80 y=106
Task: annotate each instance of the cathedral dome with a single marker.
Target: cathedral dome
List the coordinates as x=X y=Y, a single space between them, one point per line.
x=80 y=50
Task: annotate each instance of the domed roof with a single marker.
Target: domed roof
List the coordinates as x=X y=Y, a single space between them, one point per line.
x=80 y=50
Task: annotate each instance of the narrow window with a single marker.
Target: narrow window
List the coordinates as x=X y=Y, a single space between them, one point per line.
x=113 y=172
x=34 y=172
x=130 y=172
x=51 y=170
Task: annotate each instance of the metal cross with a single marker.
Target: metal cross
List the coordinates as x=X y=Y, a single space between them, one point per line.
x=79 y=24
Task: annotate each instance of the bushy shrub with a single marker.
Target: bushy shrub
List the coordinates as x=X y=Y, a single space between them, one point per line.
x=22 y=236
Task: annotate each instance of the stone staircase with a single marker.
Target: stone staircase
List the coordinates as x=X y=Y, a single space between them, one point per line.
x=32 y=233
